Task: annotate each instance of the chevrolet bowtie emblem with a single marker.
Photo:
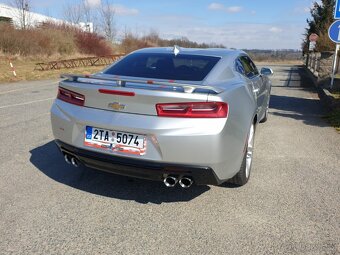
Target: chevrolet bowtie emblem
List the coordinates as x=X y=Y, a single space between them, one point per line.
x=116 y=106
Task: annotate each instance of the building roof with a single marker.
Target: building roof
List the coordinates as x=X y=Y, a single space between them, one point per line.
x=33 y=19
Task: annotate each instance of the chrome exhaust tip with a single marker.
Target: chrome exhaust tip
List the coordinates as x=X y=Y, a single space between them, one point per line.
x=74 y=162
x=186 y=182
x=67 y=159
x=170 y=181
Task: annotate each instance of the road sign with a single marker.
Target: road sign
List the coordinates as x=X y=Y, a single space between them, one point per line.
x=337 y=10
x=312 y=46
x=313 y=37
x=334 y=31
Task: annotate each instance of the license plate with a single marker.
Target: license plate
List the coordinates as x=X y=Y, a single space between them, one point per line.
x=115 y=141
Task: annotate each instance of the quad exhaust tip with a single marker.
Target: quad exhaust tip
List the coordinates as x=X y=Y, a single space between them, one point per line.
x=74 y=162
x=71 y=160
x=67 y=159
x=186 y=182
x=170 y=181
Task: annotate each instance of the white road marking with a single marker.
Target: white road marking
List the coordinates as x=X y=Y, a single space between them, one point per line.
x=26 y=103
x=37 y=86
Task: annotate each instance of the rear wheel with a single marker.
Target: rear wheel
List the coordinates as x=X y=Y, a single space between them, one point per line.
x=265 y=117
x=243 y=175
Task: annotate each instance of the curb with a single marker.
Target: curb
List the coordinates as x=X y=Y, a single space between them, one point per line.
x=325 y=96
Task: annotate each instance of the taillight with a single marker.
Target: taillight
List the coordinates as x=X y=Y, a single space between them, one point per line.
x=71 y=97
x=193 y=110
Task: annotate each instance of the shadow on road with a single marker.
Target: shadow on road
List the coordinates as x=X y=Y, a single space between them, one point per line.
x=48 y=159
x=297 y=78
x=308 y=110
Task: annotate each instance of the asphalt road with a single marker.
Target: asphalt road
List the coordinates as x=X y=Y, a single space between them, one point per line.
x=290 y=206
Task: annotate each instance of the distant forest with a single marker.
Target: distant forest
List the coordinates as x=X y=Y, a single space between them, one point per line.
x=275 y=55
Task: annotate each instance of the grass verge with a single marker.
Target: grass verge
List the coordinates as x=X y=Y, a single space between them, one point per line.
x=334 y=117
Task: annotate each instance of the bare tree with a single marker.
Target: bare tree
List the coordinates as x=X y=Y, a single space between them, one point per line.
x=22 y=12
x=81 y=11
x=107 y=21
x=73 y=13
x=90 y=14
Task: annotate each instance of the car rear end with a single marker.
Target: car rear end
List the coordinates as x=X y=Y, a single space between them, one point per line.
x=141 y=127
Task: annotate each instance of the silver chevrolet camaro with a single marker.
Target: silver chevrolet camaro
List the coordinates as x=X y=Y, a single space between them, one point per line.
x=175 y=115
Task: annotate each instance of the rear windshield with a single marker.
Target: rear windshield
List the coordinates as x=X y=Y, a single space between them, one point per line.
x=164 y=66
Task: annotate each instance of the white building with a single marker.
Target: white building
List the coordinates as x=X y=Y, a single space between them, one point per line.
x=32 y=19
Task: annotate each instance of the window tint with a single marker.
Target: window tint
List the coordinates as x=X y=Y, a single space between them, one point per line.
x=239 y=67
x=250 y=69
x=164 y=66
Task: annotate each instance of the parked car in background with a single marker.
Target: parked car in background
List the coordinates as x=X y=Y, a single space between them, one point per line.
x=175 y=115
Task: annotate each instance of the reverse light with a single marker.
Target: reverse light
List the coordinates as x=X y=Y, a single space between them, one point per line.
x=71 y=97
x=193 y=110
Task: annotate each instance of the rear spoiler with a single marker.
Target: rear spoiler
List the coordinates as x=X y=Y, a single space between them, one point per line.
x=188 y=88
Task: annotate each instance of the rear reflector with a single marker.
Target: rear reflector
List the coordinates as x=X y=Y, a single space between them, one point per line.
x=116 y=92
x=193 y=110
x=71 y=97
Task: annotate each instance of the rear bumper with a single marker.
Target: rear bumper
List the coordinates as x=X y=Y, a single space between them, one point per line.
x=138 y=168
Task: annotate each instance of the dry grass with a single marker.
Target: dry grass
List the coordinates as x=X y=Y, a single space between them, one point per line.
x=25 y=71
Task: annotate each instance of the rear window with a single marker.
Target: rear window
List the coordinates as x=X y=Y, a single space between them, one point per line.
x=164 y=66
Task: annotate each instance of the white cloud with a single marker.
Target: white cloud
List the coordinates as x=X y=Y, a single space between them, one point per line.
x=240 y=36
x=275 y=29
x=302 y=9
x=234 y=9
x=92 y=3
x=124 y=11
x=245 y=35
x=216 y=7
x=221 y=7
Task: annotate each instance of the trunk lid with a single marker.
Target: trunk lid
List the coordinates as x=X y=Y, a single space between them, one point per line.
x=135 y=96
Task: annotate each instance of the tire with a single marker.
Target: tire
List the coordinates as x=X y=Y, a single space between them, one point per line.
x=265 y=117
x=242 y=177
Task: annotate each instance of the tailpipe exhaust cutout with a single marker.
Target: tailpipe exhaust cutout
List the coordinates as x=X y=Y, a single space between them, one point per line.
x=186 y=182
x=170 y=181
x=67 y=158
x=74 y=162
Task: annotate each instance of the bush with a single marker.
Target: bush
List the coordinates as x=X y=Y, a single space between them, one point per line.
x=91 y=43
x=324 y=43
x=51 y=39
x=33 y=42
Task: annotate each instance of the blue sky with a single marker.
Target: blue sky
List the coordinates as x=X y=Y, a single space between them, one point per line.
x=261 y=24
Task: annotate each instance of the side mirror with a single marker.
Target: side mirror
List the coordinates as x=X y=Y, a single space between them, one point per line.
x=266 y=71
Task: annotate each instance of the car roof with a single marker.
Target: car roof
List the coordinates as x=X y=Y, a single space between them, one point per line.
x=215 y=52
